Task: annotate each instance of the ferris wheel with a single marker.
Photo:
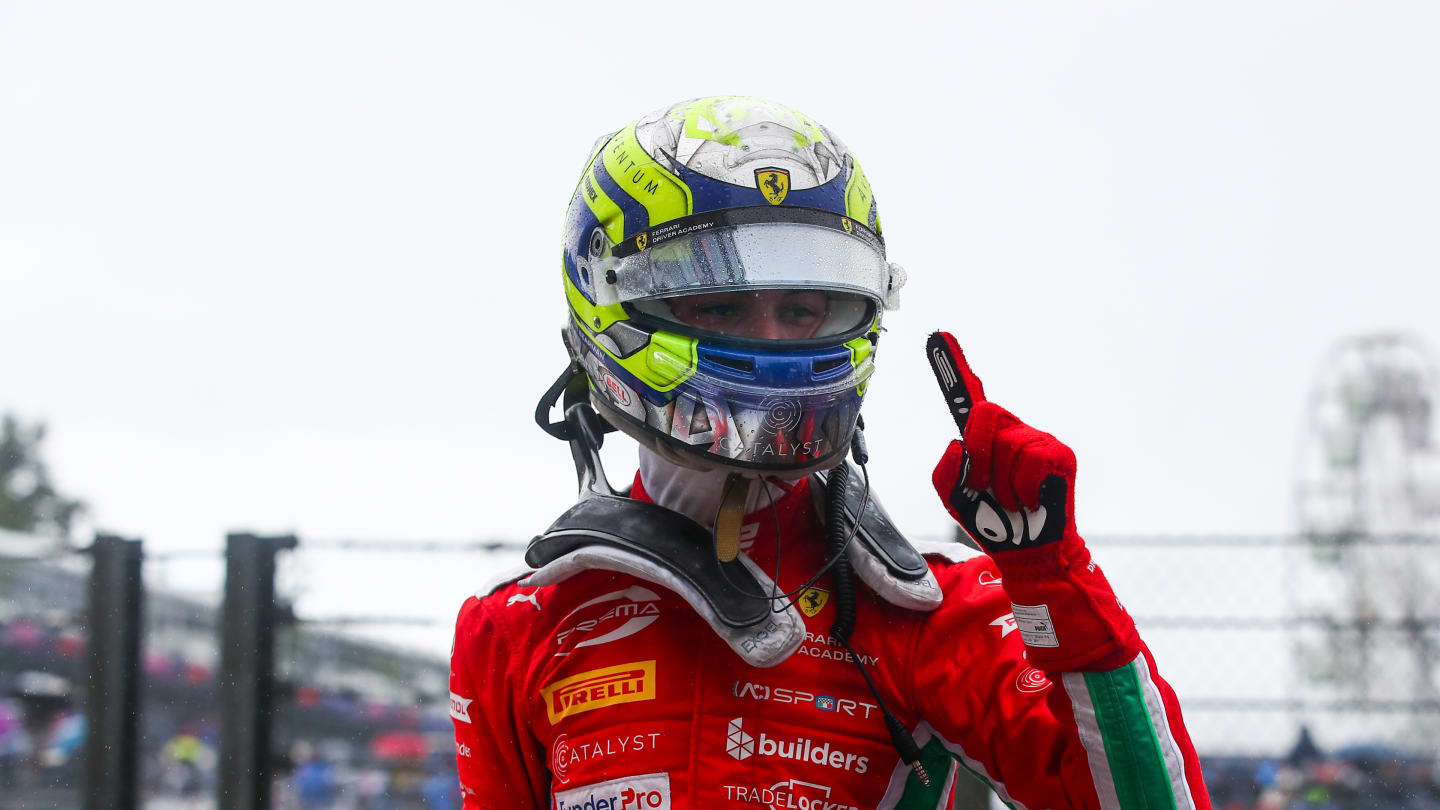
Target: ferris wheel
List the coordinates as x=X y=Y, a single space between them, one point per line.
x=1369 y=464
x=1368 y=498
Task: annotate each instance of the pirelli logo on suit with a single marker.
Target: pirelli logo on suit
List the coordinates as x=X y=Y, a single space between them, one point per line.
x=598 y=688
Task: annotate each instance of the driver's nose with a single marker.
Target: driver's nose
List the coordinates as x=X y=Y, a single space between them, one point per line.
x=767 y=327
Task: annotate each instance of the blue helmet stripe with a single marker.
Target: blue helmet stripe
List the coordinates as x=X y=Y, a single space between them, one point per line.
x=637 y=218
x=710 y=194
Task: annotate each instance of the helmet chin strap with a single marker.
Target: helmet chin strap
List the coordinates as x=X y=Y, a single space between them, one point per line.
x=730 y=516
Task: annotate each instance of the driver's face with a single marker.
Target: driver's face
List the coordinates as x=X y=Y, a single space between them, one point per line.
x=765 y=314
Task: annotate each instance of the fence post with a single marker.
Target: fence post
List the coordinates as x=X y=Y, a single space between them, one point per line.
x=112 y=699
x=247 y=670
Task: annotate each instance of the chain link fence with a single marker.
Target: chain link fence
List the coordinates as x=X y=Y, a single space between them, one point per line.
x=1307 y=674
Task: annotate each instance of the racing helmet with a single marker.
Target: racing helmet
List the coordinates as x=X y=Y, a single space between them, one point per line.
x=726 y=276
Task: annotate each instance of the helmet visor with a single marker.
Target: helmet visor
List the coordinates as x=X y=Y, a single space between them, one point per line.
x=769 y=256
x=794 y=314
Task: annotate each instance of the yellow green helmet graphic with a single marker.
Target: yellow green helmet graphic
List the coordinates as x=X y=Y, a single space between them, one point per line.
x=726 y=277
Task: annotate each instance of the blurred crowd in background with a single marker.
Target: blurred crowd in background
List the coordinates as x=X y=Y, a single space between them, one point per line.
x=41 y=767
x=363 y=726
x=1372 y=777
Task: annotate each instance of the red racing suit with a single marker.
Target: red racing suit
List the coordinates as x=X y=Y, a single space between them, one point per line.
x=605 y=692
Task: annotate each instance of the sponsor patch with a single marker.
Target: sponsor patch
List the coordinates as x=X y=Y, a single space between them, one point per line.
x=739 y=744
x=791 y=794
x=460 y=707
x=1006 y=624
x=1031 y=679
x=649 y=791
x=1035 y=625
x=598 y=688
x=615 y=615
x=564 y=753
x=812 y=601
x=821 y=645
x=774 y=184
x=801 y=697
x=622 y=395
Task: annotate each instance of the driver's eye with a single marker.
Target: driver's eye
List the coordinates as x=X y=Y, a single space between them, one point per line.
x=799 y=314
x=719 y=310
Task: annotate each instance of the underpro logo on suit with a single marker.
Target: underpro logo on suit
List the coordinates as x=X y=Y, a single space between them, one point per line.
x=650 y=791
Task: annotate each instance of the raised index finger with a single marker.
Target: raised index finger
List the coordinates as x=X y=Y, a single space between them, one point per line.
x=962 y=389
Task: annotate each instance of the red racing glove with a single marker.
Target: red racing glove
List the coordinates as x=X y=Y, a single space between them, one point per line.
x=1012 y=489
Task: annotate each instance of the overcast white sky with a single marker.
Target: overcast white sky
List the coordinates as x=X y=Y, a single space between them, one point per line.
x=292 y=266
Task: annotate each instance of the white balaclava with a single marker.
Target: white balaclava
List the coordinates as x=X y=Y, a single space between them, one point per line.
x=695 y=493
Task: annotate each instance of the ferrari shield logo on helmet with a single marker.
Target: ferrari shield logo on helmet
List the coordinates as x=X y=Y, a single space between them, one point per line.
x=773 y=183
x=812 y=601
x=642 y=240
x=847 y=224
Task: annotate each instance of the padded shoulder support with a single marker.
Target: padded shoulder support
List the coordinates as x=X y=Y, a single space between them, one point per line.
x=881 y=555
x=612 y=533
x=668 y=539
x=877 y=532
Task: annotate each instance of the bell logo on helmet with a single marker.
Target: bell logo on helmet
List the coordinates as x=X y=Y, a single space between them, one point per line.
x=774 y=184
x=618 y=391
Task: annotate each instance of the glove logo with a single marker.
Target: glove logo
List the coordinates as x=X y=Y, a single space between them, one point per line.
x=991 y=524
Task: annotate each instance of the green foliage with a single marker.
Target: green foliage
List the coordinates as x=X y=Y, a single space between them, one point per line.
x=28 y=500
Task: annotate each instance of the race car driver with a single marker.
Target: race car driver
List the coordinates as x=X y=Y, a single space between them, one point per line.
x=703 y=641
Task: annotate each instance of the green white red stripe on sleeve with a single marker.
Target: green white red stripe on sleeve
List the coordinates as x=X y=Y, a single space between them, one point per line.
x=1134 y=757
